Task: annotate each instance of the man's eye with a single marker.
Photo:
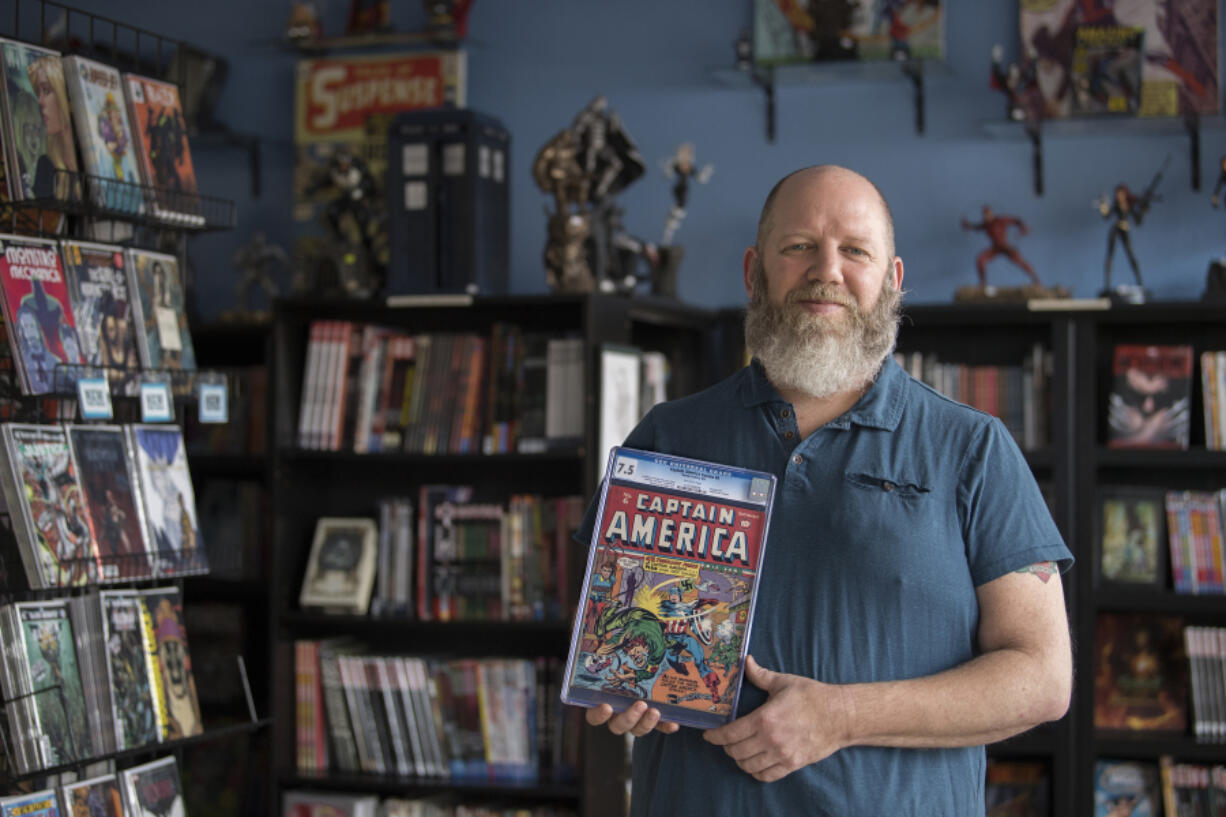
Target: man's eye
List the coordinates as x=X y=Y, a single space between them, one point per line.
x=855 y=251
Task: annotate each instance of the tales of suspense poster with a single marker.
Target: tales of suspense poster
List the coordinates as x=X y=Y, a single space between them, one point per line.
x=668 y=595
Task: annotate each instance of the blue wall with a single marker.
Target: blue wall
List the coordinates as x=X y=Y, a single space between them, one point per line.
x=535 y=63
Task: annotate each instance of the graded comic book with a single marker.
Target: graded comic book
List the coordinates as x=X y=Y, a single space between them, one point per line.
x=38 y=314
x=101 y=302
x=159 y=310
x=112 y=500
x=104 y=135
x=41 y=490
x=173 y=529
x=162 y=151
x=668 y=594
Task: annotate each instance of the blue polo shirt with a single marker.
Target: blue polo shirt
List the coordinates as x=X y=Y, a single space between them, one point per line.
x=886 y=519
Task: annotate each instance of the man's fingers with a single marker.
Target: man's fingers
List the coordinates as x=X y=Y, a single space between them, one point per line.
x=599 y=714
x=646 y=723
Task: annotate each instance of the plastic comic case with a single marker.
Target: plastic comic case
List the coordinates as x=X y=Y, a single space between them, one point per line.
x=669 y=590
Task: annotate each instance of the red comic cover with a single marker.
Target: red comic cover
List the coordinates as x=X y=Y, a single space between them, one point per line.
x=1151 y=394
x=162 y=151
x=39 y=314
x=668 y=594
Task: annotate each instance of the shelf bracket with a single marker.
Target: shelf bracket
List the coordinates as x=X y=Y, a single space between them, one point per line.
x=765 y=79
x=1035 y=132
x=914 y=70
x=1191 y=121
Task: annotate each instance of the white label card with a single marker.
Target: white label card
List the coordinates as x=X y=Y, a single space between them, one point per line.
x=94 y=398
x=168 y=329
x=156 y=405
x=214 y=408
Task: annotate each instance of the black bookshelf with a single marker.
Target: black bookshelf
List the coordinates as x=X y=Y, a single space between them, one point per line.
x=308 y=484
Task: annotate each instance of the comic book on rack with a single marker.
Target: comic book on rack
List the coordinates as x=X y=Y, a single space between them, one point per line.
x=159 y=310
x=112 y=500
x=96 y=797
x=48 y=662
x=39 y=804
x=173 y=530
x=105 y=137
x=669 y=590
x=101 y=301
x=38 y=314
x=153 y=789
x=180 y=704
x=162 y=151
x=41 y=490
x=129 y=669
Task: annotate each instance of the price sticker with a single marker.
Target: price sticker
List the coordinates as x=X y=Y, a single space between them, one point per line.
x=94 y=398
x=214 y=407
x=155 y=403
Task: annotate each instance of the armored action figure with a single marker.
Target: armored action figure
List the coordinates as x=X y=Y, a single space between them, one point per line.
x=1124 y=207
x=997 y=229
x=583 y=167
x=257 y=260
x=356 y=252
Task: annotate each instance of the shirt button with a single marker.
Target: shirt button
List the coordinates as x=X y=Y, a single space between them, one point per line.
x=786 y=413
x=798 y=459
x=887 y=485
x=788 y=435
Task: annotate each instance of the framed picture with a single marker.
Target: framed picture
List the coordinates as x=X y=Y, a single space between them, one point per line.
x=341 y=568
x=1132 y=539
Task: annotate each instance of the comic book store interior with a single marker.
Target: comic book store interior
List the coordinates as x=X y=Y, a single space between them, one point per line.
x=379 y=379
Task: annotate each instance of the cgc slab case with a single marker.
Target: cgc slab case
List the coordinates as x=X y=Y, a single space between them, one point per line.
x=670 y=585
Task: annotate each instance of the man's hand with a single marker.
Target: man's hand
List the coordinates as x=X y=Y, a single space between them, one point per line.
x=638 y=719
x=802 y=722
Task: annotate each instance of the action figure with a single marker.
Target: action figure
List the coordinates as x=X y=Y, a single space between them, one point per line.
x=1124 y=206
x=447 y=19
x=583 y=167
x=1018 y=84
x=353 y=225
x=997 y=229
x=680 y=168
x=303 y=23
x=368 y=17
x=1221 y=181
x=256 y=260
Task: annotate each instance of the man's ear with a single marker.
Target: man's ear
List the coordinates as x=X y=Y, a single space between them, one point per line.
x=896 y=270
x=747 y=264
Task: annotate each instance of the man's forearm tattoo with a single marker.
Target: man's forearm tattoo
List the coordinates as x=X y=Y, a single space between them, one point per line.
x=1044 y=570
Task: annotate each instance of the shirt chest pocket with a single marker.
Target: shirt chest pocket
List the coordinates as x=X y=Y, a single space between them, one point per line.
x=891 y=489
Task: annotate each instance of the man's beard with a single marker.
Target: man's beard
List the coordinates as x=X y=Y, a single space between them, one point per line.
x=820 y=355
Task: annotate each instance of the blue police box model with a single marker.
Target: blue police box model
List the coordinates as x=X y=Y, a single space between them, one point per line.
x=448 y=203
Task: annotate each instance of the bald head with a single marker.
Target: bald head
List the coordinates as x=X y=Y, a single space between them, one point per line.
x=813 y=173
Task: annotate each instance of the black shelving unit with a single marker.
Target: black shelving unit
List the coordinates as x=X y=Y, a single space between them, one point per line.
x=310 y=484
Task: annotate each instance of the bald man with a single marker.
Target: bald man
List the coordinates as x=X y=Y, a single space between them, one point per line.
x=911 y=608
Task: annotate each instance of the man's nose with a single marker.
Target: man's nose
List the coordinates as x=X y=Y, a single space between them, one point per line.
x=825 y=266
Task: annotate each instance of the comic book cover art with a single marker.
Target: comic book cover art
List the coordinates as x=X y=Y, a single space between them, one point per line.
x=180 y=705
x=50 y=661
x=162 y=151
x=104 y=135
x=42 y=491
x=38 y=313
x=1179 y=67
x=96 y=797
x=38 y=125
x=128 y=671
x=1140 y=673
x=1132 y=537
x=798 y=31
x=112 y=502
x=1129 y=788
x=153 y=789
x=160 y=311
x=669 y=589
x=345 y=105
x=168 y=500
x=1106 y=69
x=37 y=804
x=1017 y=788
x=98 y=290
x=1150 y=401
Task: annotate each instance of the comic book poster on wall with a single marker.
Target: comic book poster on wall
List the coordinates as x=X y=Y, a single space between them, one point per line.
x=1179 y=65
x=669 y=589
x=801 y=31
x=343 y=107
